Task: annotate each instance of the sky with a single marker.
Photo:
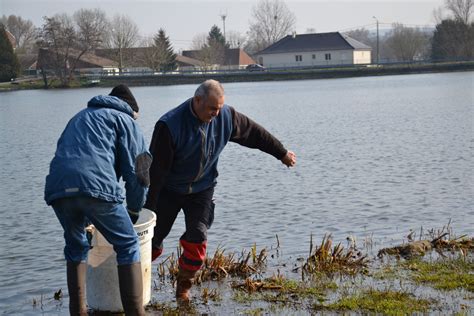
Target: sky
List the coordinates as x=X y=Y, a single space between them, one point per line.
x=184 y=19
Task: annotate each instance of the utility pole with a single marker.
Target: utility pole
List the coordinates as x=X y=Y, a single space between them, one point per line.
x=377 y=21
x=223 y=16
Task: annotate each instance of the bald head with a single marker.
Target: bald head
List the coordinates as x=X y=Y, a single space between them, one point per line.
x=208 y=100
x=208 y=88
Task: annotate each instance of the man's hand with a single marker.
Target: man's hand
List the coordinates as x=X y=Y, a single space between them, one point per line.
x=289 y=159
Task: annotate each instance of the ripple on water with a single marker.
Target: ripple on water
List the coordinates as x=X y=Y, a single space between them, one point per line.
x=365 y=167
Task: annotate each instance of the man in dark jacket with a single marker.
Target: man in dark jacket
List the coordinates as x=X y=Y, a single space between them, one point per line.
x=99 y=145
x=186 y=144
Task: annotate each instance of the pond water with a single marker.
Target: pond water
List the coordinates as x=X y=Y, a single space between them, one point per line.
x=377 y=156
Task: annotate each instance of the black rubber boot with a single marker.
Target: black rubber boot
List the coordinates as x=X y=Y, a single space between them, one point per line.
x=131 y=288
x=76 y=284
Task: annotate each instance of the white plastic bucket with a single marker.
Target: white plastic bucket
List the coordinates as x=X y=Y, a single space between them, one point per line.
x=103 y=293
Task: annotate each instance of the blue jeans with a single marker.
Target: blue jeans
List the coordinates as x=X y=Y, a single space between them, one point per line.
x=111 y=219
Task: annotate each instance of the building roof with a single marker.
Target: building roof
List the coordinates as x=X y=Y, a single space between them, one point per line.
x=28 y=61
x=232 y=56
x=137 y=56
x=11 y=38
x=188 y=61
x=314 y=42
x=131 y=56
x=236 y=56
x=87 y=60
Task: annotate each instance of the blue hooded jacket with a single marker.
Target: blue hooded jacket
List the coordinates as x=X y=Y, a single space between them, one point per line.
x=99 y=145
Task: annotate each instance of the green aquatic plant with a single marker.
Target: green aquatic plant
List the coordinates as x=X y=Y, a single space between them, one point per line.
x=279 y=292
x=443 y=274
x=380 y=302
x=168 y=309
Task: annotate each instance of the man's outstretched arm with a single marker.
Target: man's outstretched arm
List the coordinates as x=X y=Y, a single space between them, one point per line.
x=250 y=134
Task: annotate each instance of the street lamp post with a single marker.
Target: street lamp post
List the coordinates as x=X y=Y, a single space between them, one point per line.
x=377 y=21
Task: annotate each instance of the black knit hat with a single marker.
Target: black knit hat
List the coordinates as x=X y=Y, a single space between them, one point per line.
x=123 y=92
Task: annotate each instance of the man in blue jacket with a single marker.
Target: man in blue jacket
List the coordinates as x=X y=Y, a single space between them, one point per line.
x=99 y=145
x=186 y=145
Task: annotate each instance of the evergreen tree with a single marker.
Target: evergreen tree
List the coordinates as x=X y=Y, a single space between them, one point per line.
x=164 y=54
x=453 y=40
x=216 y=37
x=9 y=65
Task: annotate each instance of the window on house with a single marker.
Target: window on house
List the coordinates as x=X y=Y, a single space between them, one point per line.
x=314 y=56
x=298 y=57
x=327 y=56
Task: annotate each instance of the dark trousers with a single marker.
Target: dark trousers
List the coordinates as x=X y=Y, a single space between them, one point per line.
x=198 y=214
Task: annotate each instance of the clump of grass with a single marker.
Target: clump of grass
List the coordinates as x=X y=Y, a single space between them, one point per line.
x=254 y=312
x=375 y=301
x=438 y=239
x=409 y=250
x=221 y=265
x=210 y=295
x=284 y=290
x=444 y=274
x=170 y=264
x=252 y=286
x=329 y=260
x=167 y=309
x=463 y=243
x=444 y=239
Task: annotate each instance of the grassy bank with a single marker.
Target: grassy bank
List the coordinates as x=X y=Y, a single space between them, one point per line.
x=270 y=75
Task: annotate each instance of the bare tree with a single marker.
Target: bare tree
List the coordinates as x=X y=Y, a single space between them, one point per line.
x=362 y=35
x=148 y=56
x=365 y=37
x=23 y=30
x=235 y=39
x=271 y=20
x=199 y=41
x=67 y=39
x=58 y=37
x=438 y=15
x=208 y=50
x=91 y=28
x=123 y=34
x=407 y=44
x=461 y=9
x=210 y=56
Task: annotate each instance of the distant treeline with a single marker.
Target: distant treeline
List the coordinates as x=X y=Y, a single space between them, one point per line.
x=89 y=29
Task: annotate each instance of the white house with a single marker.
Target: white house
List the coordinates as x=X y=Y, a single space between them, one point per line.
x=318 y=49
